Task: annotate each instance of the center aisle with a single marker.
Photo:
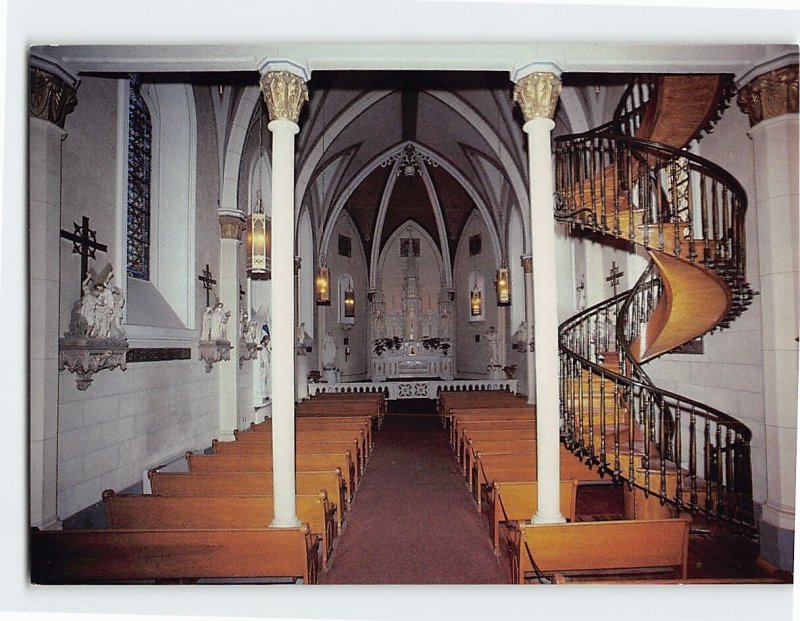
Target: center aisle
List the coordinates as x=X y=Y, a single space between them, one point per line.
x=413 y=520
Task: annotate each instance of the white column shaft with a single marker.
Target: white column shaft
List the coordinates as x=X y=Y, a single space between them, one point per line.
x=545 y=313
x=229 y=370
x=529 y=355
x=283 y=322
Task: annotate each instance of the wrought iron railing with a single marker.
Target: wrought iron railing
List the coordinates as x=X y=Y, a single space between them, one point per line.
x=686 y=453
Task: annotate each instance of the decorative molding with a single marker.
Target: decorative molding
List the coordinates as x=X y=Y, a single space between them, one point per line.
x=50 y=97
x=158 y=354
x=284 y=94
x=537 y=95
x=212 y=352
x=231 y=225
x=769 y=95
x=86 y=356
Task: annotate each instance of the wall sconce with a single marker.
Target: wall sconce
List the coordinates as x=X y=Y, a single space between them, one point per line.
x=503 y=286
x=322 y=286
x=258 y=242
x=349 y=301
x=475 y=302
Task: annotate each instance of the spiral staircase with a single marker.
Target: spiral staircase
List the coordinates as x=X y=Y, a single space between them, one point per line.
x=633 y=184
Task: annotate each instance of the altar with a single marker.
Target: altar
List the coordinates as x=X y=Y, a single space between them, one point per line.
x=403 y=365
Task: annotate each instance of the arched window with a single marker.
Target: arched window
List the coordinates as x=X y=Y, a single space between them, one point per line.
x=140 y=137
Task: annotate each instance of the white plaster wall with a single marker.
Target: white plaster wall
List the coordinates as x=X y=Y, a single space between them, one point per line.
x=472 y=357
x=129 y=421
x=355 y=368
x=125 y=422
x=728 y=375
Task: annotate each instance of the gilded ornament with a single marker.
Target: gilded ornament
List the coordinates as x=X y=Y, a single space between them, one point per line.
x=527 y=265
x=50 y=98
x=537 y=95
x=284 y=94
x=231 y=227
x=769 y=95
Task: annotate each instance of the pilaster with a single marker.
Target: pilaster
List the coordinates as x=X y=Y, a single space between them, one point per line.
x=770 y=101
x=231 y=227
x=52 y=96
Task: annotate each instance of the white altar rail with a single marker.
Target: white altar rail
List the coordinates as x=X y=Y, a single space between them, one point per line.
x=412 y=389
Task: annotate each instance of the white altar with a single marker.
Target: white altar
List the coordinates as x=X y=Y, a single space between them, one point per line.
x=411 y=340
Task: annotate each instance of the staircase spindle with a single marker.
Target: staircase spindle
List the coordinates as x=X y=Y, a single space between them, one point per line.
x=692 y=254
x=726 y=231
x=678 y=458
x=715 y=234
x=693 y=458
x=704 y=216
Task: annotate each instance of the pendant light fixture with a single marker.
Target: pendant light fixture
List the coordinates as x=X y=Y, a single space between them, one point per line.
x=503 y=286
x=258 y=230
x=349 y=300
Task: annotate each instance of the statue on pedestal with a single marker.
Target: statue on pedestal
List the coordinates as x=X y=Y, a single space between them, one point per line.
x=492 y=347
x=328 y=352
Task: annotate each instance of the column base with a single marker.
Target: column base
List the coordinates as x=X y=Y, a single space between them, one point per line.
x=776 y=541
x=290 y=523
x=556 y=518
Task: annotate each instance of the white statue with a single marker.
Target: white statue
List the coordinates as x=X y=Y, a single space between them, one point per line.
x=205 y=330
x=247 y=328
x=492 y=347
x=328 y=351
x=264 y=359
x=117 y=332
x=218 y=320
x=98 y=314
x=520 y=339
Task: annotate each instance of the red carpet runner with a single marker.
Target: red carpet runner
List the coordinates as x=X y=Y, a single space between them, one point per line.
x=413 y=519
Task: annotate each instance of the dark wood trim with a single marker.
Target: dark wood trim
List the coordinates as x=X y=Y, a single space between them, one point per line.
x=158 y=354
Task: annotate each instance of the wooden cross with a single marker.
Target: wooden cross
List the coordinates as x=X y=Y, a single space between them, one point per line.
x=207 y=283
x=84 y=243
x=614 y=276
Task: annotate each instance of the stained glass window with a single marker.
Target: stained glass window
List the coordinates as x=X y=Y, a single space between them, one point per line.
x=140 y=130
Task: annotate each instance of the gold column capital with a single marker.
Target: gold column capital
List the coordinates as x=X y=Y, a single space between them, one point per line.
x=231 y=226
x=50 y=98
x=527 y=264
x=284 y=93
x=769 y=95
x=537 y=94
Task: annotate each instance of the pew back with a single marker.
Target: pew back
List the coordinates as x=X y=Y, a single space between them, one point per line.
x=619 y=546
x=113 y=556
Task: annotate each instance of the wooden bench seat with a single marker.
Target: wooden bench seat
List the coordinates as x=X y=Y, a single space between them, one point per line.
x=199 y=462
x=115 y=556
x=461 y=417
x=247 y=484
x=591 y=548
x=301 y=446
x=310 y=426
x=519 y=430
x=324 y=408
x=449 y=399
x=477 y=445
x=148 y=512
x=517 y=501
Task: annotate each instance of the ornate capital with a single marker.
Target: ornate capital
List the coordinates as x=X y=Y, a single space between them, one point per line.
x=284 y=93
x=50 y=97
x=537 y=94
x=231 y=226
x=769 y=95
x=527 y=264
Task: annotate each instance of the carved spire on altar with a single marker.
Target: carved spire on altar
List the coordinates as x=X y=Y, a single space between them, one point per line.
x=412 y=302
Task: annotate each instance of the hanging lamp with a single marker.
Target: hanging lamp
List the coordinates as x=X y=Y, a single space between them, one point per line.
x=503 y=286
x=258 y=230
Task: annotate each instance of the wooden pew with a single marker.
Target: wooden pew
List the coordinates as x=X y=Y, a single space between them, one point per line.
x=333 y=408
x=514 y=430
x=476 y=399
x=301 y=446
x=303 y=439
x=114 y=556
x=199 y=462
x=148 y=512
x=596 y=548
x=247 y=484
x=517 y=501
x=377 y=399
x=503 y=467
x=310 y=426
x=488 y=447
x=461 y=417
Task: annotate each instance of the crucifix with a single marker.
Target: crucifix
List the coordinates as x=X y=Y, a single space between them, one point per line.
x=208 y=282
x=241 y=292
x=614 y=276
x=84 y=243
